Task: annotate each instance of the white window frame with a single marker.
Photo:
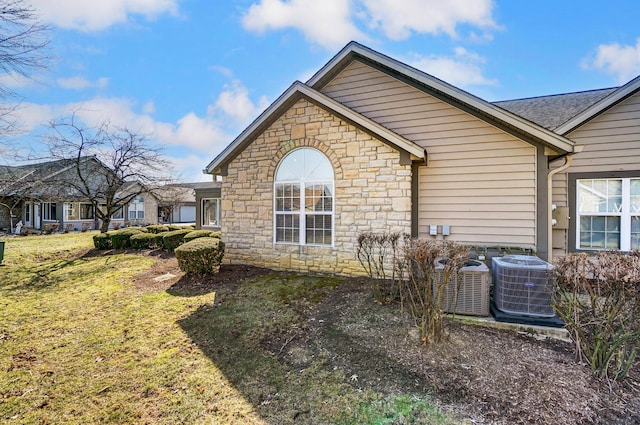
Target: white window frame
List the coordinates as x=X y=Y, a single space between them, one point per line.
x=136 y=206
x=624 y=212
x=205 y=215
x=302 y=212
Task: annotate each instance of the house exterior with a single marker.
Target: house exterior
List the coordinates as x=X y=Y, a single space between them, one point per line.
x=370 y=144
x=39 y=197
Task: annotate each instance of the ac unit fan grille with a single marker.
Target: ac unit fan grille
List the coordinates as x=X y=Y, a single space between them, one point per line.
x=523 y=291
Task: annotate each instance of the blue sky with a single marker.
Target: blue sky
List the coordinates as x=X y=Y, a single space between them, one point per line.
x=192 y=74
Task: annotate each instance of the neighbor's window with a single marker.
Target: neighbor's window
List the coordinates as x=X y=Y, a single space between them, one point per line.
x=49 y=211
x=118 y=215
x=608 y=214
x=211 y=212
x=303 y=194
x=136 y=208
x=86 y=212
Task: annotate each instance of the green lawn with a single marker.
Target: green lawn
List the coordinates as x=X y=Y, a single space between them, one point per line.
x=79 y=343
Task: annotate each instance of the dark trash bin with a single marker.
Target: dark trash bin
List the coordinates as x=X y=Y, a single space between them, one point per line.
x=1 y=252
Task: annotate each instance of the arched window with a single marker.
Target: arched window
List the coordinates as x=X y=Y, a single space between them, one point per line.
x=303 y=193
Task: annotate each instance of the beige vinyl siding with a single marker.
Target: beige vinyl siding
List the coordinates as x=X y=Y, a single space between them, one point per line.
x=611 y=140
x=611 y=143
x=479 y=180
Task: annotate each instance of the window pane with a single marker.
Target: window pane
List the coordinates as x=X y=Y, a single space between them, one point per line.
x=287 y=228
x=596 y=196
x=318 y=229
x=305 y=164
x=86 y=211
x=318 y=197
x=635 y=196
x=635 y=232
x=600 y=232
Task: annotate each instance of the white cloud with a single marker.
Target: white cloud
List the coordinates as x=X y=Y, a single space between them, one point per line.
x=14 y=80
x=327 y=23
x=398 y=19
x=621 y=61
x=86 y=15
x=332 y=23
x=207 y=134
x=81 y=83
x=234 y=102
x=464 y=69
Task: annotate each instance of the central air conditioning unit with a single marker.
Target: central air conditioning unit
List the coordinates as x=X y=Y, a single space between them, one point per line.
x=522 y=285
x=467 y=292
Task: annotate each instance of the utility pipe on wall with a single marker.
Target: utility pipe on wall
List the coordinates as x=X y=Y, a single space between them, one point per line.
x=568 y=160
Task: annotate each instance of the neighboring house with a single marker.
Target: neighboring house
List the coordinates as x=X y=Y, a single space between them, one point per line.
x=37 y=195
x=370 y=144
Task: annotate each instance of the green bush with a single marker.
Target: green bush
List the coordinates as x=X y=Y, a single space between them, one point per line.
x=195 y=234
x=157 y=228
x=171 y=240
x=201 y=255
x=143 y=241
x=120 y=238
x=102 y=241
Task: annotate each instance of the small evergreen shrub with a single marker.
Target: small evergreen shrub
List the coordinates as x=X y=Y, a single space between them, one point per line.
x=195 y=234
x=120 y=238
x=172 y=239
x=143 y=241
x=200 y=256
x=157 y=228
x=102 y=241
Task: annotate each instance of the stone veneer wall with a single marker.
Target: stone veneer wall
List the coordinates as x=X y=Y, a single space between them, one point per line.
x=373 y=193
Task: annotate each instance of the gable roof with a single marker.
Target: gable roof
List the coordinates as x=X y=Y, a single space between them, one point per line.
x=602 y=105
x=298 y=91
x=552 y=111
x=487 y=111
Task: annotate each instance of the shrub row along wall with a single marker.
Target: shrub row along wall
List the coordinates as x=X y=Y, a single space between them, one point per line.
x=197 y=251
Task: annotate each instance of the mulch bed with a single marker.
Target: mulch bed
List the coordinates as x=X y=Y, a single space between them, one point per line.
x=480 y=375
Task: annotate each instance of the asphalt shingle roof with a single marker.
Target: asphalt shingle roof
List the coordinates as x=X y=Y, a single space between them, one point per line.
x=554 y=110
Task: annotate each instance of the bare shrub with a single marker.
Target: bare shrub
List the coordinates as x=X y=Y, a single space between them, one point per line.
x=378 y=254
x=598 y=298
x=422 y=293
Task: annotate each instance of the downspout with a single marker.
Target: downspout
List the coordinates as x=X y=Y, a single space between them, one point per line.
x=568 y=160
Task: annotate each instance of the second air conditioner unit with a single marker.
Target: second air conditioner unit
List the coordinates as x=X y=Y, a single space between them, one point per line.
x=467 y=292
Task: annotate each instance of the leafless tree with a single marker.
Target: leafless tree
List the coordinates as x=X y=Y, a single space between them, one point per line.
x=23 y=43
x=111 y=165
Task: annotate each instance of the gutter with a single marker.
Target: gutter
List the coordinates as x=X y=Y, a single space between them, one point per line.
x=568 y=160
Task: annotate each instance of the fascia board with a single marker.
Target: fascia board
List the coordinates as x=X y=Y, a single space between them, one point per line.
x=296 y=90
x=547 y=137
x=617 y=96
